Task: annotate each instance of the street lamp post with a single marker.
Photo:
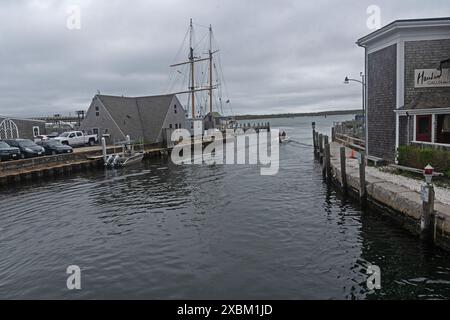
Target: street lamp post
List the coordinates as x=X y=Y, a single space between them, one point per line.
x=363 y=85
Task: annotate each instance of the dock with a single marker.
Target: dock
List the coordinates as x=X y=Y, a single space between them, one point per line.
x=399 y=197
x=82 y=159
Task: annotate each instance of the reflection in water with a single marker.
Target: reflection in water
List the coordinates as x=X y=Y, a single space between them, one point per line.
x=160 y=230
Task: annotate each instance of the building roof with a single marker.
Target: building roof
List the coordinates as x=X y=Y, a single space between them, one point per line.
x=422 y=100
x=215 y=114
x=138 y=116
x=403 y=25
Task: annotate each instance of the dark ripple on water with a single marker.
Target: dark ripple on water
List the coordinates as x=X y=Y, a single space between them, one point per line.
x=166 y=231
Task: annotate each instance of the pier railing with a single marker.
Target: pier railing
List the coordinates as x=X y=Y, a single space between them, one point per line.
x=350 y=134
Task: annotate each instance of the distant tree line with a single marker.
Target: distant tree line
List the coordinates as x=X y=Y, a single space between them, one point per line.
x=293 y=115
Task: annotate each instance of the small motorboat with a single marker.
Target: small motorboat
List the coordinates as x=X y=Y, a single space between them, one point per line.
x=123 y=160
x=283 y=137
x=127 y=157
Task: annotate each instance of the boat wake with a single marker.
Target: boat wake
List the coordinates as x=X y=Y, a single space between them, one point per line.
x=299 y=143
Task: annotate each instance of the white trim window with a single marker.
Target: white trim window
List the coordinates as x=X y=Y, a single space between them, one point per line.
x=432 y=129
x=36 y=131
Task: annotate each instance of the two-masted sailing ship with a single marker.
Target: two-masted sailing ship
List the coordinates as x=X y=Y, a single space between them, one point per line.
x=203 y=73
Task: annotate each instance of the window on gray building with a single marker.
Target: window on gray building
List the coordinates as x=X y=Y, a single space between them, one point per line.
x=423 y=128
x=35 y=131
x=443 y=128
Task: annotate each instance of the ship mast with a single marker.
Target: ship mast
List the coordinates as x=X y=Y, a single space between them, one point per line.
x=191 y=59
x=210 y=70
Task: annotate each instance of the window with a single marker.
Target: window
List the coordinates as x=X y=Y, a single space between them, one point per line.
x=442 y=128
x=170 y=126
x=179 y=125
x=72 y=135
x=174 y=108
x=79 y=134
x=97 y=114
x=423 y=128
x=176 y=125
x=97 y=108
x=35 y=131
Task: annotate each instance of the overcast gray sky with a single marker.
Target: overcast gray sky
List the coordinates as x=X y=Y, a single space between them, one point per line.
x=277 y=56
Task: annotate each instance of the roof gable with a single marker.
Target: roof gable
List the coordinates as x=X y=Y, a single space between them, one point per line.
x=397 y=26
x=138 y=116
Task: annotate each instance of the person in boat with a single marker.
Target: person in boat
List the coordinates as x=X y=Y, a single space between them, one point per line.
x=282 y=135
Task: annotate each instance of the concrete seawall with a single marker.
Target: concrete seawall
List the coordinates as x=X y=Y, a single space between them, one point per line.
x=41 y=168
x=399 y=202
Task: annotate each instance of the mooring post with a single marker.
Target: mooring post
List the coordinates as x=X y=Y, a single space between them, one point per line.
x=316 y=153
x=427 y=211
x=327 y=159
x=427 y=195
x=314 y=136
x=104 y=149
x=343 y=169
x=362 y=176
x=320 y=148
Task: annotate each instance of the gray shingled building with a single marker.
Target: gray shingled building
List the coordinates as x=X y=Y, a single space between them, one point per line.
x=139 y=117
x=13 y=128
x=408 y=85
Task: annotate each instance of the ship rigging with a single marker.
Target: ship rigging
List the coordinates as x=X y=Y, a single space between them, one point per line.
x=202 y=72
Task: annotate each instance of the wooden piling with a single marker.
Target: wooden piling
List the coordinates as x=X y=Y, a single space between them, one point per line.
x=314 y=142
x=326 y=158
x=343 y=169
x=317 y=146
x=427 y=214
x=320 y=148
x=313 y=124
x=362 y=176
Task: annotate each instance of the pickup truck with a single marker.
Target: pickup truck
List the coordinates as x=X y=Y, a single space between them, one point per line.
x=77 y=138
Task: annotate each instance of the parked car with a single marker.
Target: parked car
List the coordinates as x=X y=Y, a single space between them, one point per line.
x=52 y=135
x=77 y=138
x=40 y=138
x=7 y=152
x=28 y=148
x=55 y=147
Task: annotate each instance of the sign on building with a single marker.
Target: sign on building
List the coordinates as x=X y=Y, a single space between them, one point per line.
x=426 y=78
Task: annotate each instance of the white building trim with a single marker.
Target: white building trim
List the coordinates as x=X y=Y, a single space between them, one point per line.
x=431 y=143
x=400 y=73
x=397 y=135
x=422 y=111
x=408 y=30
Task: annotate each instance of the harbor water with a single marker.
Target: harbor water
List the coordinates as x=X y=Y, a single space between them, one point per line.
x=165 y=231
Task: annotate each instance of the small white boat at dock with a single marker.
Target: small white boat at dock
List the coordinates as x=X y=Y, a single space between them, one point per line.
x=126 y=158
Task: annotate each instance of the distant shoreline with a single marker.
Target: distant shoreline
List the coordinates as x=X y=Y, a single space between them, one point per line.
x=294 y=115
